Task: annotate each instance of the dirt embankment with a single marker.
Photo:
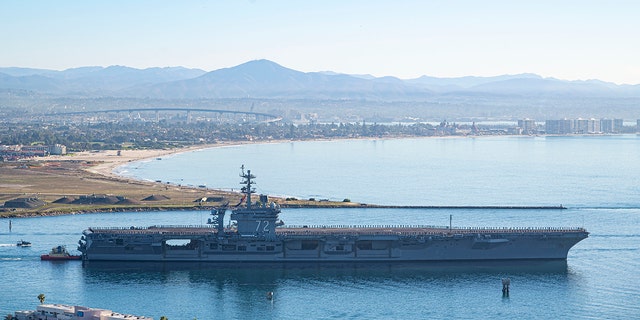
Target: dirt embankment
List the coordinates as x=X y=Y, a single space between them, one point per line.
x=84 y=182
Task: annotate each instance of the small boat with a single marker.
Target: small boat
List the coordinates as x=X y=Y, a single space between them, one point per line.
x=59 y=253
x=23 y=243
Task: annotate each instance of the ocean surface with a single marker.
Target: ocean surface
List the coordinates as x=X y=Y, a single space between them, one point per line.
x=596 y=178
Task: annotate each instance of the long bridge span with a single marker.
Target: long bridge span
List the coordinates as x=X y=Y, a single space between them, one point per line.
x=132 y=113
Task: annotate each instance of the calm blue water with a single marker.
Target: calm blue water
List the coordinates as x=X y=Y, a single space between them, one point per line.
x=597 y=177
x=574 y=171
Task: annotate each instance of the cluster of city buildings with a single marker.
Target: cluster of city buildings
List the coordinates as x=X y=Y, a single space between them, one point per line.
x=529 y=127
x=15 y=152
x=571 y=126
x=66 y=312
x=582 y=126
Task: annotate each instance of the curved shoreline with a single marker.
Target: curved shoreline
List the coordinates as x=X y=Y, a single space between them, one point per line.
x=90 y=174
x=100 y=166
x=109 y=160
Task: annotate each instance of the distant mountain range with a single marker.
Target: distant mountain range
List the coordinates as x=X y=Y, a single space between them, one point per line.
x=265 y=79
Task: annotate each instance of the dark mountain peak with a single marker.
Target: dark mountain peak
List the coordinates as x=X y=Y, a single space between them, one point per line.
x=388 y=79
x=255 y=72
x=117 y=69
x=257 y=67
x=261 y=64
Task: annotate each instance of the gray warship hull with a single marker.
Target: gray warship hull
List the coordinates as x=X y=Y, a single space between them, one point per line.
x=255 y=237
x=328 y=244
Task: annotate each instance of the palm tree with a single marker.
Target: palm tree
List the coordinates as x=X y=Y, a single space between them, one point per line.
x=41 y=298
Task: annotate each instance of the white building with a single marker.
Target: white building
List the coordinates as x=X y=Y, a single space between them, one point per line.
x=66 y=312
x=58 y=149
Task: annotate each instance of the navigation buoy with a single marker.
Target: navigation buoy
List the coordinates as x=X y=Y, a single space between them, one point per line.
x=505 y=286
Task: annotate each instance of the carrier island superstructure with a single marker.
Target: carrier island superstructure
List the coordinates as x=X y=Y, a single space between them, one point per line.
x=255 y=235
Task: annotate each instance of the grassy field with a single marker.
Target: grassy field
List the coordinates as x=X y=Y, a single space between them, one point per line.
x=50 y=181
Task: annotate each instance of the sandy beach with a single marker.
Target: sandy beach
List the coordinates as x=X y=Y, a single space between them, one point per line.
x=107 y=160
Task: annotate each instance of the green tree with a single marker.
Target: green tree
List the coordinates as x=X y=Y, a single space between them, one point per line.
x=41 y=297
x=164 y=318
x=8 y=317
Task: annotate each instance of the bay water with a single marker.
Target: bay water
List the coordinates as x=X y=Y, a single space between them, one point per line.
x=596 y=178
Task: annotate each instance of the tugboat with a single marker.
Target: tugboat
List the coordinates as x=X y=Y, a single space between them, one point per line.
x=59 y=253
x=23 y=243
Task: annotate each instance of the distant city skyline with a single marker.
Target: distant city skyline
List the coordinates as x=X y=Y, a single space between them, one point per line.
x=569 y=40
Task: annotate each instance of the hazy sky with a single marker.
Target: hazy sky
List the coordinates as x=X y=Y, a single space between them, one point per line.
x=572 y=40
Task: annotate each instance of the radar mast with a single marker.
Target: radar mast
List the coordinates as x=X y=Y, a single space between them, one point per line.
x=247 y=189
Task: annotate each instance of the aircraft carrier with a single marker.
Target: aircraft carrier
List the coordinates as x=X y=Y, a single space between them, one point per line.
x=255 y=234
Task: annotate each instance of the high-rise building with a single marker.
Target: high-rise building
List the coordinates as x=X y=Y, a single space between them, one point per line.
x=528 y=126
x=563 y=126
x=617 y=125
x=607 y=126
x=583 y=126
